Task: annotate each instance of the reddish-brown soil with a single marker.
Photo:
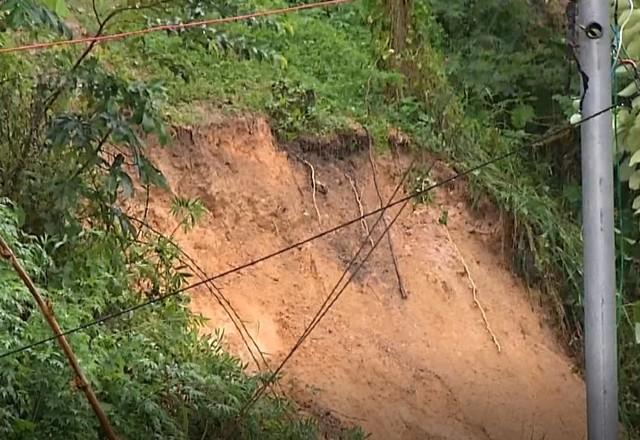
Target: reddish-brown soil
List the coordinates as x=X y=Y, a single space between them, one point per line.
x=421 y=368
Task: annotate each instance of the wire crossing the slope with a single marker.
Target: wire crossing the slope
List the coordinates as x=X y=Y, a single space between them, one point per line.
x=335 y=294
x=169 y=27
x=543 y=140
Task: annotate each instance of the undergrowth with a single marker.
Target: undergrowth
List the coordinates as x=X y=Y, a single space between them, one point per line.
x=155 y=376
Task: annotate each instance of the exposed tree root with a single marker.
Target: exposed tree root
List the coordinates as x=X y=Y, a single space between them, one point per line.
x=314 y=187
x=365 y=226
x=474 y=290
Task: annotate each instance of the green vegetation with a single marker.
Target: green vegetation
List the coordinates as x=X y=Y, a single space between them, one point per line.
x=154 y=375
x=466 y=80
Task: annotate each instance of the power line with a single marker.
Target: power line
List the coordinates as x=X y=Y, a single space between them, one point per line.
x=330 y=300
x=216 y=292
x=543 y=140
x=169 y=27
x=322 y=313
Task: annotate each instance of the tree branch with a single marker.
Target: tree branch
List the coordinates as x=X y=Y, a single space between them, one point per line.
x=88 y=163
x=102 y=24
x=403 y=291
x=96 y=13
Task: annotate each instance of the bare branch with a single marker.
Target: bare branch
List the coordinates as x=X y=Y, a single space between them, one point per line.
x=96 y=13
x=403 y=291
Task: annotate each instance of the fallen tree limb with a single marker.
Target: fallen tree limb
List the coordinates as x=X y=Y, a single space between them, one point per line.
x=403 y=292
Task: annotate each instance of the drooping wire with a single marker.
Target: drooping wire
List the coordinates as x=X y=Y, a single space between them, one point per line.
x=170 y=27
x=541 y=141
x=335 y=294
x=222 y=300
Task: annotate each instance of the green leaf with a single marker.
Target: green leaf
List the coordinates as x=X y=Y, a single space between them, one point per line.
x=521 y=115
x=632 y=140
x=127 y=184
x=163 y=137
x=634 y=181
x=625 y=170
x=636 y=204
x=23 y=427
x=636 y=311
x=148 y=124
x=57 y=6
x=635 y=159
x=149 y=174
x=281 y=61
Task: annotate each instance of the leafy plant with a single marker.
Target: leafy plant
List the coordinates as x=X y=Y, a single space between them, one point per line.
x=420 y=181
x=187 y=211
x=292 y=106
x=467 y=80
x=155 y=376
x=25 y=14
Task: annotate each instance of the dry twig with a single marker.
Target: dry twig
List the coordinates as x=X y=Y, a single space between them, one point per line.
x=474 y=290
x=314 y=186
x=363 y=221
x=403 y=292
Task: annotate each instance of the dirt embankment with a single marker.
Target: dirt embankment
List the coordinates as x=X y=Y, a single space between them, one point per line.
x=421 y=368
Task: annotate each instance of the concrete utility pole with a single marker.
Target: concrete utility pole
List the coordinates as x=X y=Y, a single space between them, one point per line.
x=597 y=198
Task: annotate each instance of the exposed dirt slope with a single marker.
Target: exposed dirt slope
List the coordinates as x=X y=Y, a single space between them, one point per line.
x=421 y=368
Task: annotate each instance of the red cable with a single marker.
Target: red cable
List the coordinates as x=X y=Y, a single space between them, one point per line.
x=628 y=61
x=167 y=27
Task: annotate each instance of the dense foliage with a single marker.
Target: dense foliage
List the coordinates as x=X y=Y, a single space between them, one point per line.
x=155 y=377
x=466 y=79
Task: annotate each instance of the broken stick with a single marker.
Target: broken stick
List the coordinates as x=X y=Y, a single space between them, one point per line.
x=363 y=221
x=403 y=292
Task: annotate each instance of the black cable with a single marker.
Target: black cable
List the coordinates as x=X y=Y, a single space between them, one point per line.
x=324 y=308
x=152 y=301
x=214 y=290
x=329 y=301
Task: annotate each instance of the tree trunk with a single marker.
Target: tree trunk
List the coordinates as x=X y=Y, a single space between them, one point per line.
x=400 y=19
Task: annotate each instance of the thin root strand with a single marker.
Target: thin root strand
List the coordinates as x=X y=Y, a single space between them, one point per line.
x=363 y=222
x=474 y=290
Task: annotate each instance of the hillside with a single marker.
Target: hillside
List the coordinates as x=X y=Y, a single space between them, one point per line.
x=424 y=367
x=135 y=168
